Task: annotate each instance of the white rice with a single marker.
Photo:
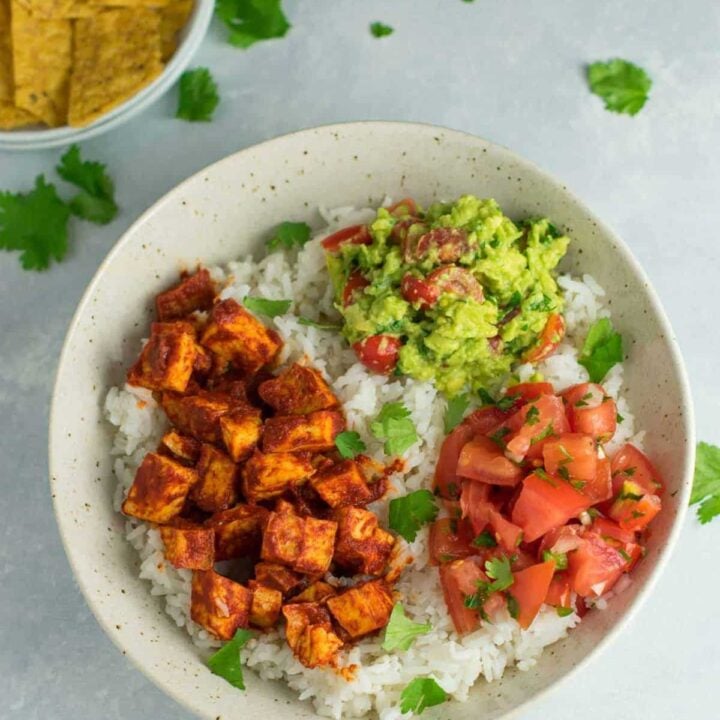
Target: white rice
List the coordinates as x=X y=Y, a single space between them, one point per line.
x=456 y=662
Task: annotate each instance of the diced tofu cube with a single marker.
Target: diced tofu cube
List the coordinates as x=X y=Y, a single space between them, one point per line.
x=181 y=446
x=283 y=539
x=166 y=362
x=197 y=415
x=268 y=476
x=310 y=634
x=220 y=605
x=297 y=433
x=238 y=531
x=361 y=544
x=217 y=485
x=195 y=292
x=266 y=604
x=315 y=592
x=203 y=361
x=284 y=506
x=277 y=576
x=318 y=544
x=234 y=336
x=342 y=484
x=159 y=490
x=189 y=546
x=362 y=609
x=241 y=429
x=299 y=390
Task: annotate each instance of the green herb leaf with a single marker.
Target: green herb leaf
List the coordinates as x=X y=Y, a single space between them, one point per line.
x=97 y=201
x=513 y=606
x=349 y=444
x=498 y=570
x=263 y=306
x=706 y=485
x=603 y=349
x=319 y=325
x=250 y=21
x=564 y=611
x=394 y=426
x=288 y=235
x=532 y=417
x=35 y=223
x=197 y=96
x=485 y=539
x=455 y=412
x=400 y=632
x=379 y=29
x=561 y=560
x=409 y=513
x=623 y=86
x=419 y=694
x=226 y=661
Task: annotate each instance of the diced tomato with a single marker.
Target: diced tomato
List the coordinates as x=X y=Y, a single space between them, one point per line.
x=459 y=579
x=356 y=234
x=546 y=503
x=507 y=534
x=550 y=338
x=494 y=604
x=406 y=206
x=456 y=280
x=532 y=425
x=450 y=539
x=446 y=482
x=600 y=488
x=594 y=567
x=633 y=509
x=485 y=419
x=356 y=281
x=591 y=411
x=447 y=245
x=571 y=456
x=474 y=504
x=559 y=593
x=561 y=540
x=526 y=392
x=629 y=463
x=608 y=529
x=378 y=353
x=419 y=292
x=530 y=588
x=481 y=459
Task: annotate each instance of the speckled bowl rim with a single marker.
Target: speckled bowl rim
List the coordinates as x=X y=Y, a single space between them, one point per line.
x=688 y=424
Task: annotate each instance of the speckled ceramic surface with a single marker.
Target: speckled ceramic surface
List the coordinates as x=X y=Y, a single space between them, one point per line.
x=225 y=212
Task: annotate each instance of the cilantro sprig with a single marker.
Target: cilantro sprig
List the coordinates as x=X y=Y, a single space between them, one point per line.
x=421 y=693
x=499 y=571
x=706 y=484
x=250 y=21
x=379 y=30
x=349 y=444
x=455 y=412
x=288 y=235
x=309 y=322
x=602 y=350
x=226 y=661
x=400 y=632
x=409 y=513
x=263 y=306
x=623 y=86
x=198 y=95
x=394 y=425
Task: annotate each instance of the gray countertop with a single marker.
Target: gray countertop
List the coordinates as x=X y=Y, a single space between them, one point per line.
x=511 y=72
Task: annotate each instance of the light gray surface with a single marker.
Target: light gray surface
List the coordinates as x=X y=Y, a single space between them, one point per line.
x=508 y=71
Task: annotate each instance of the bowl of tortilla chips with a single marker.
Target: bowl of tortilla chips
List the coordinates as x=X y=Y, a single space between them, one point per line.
x=72 y=69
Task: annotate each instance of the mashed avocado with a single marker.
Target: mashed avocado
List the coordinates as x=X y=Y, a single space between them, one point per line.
x=458 y=292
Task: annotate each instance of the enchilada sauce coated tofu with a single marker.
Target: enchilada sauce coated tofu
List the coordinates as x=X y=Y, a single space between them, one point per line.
x=159 y=490
x=267 y=476
x=341 y=484
x=310 y=634
x=181 y=447
x=299 y=390
x=315 y=592
x=197 y=415
x=362 y=609
x=266 y=604
x=189 y=546
x=238 y=531
x=277 y=576
x=219 y=604
x=241 y=429
x=166 y=362
x=195 y=292
x=235 y=337
x=216 y=488
x=302 y=433
x=362 y=545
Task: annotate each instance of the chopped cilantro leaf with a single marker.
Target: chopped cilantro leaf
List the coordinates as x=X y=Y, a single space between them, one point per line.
x=578 y=484
x=319 y=325
x=498 y=435
x=378 y=30
x=288 y=235
x=564 y=611
x=349 y=444
x=706 y=485
x=629 y=492
x=544 y=476
x=619 y=418
x=250 y=21
x=395 y=427
x=400 y=632
x=561 y=560
x=564 y=473
x=409 y=513
x=35 y=223
x=96 y=202
x=419 y=694
x=197 y=96
x=624 y=555
x=513 y=606
x=226 y=661
x=456 y=408
x=485 y=539
x=623 y=86
x=498 y=570
x=532 y=417
x=549 y=431
x=602 y=350
x=263 y=306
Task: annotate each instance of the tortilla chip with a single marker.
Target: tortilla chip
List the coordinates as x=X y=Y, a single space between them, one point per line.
x=10 y=116
x=58 y=9
x=132 y=3
x=173 y=19
x=117 y=53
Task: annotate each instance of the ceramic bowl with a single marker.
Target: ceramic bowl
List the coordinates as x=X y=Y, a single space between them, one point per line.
x=192 y=35
x=225 y=212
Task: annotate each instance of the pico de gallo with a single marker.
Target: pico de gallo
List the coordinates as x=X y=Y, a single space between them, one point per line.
x=538 y=513
x=457 y=293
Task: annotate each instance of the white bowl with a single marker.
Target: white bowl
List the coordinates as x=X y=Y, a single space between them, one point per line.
x=226 y=211
x=192 y=35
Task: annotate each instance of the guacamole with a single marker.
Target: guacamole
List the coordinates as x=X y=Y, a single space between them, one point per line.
x=457 y=293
